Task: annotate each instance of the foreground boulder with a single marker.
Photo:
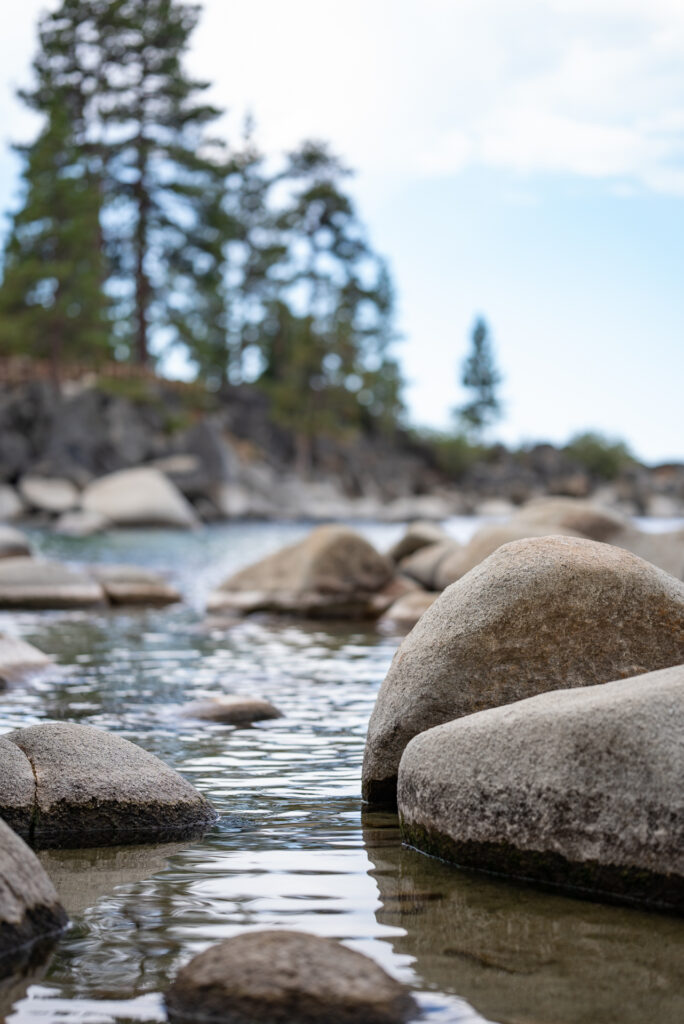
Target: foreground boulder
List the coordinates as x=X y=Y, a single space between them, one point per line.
x=18 y=657
x=539 y=614
x=577 y=788
x=13 y=542
x=34 y=583
x=93 y=788
x=139 y=497
x=49 y=494
x=333 y=572
x=232 y=710
x=29 y=905
x=129 y=584
x=289 y=978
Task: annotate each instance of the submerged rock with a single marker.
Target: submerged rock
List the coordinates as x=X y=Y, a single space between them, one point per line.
x=232 y=710
x=29 y=906
x=286 y=977
x=94 y=788
x=13 y=542
x=139 y=497
x=333 y=572
x=539 y=614
x=34 y=583
x=577 y=788
x=129 y=584
x=49 y=494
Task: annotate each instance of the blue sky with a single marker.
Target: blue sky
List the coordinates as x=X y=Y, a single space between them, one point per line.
x=518 y=159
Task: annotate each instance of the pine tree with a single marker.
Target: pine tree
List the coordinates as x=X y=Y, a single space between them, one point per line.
x=481 y=377
x=163 y=171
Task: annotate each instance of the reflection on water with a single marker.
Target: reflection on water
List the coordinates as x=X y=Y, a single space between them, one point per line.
x=290 y=850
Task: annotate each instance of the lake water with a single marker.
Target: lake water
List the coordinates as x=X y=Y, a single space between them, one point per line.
x=293 y=847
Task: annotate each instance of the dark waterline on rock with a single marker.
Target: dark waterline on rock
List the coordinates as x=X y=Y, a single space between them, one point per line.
x=292 y=848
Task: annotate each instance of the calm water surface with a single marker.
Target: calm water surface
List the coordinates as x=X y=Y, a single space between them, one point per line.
x=293 y=848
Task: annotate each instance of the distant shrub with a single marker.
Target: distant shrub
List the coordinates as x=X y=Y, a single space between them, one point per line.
x=599 y=455
x=454 y=454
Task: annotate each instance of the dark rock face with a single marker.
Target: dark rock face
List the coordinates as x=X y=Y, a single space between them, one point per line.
x=284 y=977
x=577 y=788
x=29 y=906
x=93 y=788
x=539 y=614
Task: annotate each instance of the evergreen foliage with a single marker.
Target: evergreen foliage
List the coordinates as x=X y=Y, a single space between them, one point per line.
x=481 y=378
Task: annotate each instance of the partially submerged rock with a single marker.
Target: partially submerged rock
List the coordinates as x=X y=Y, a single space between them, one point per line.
x=34 y=583
x=129 y=584
x=333 y=572
x=539 y=614
x=94 y=788
x=286 y=977
x=81 y=523
x=485 y=542
x=13 y=542
x=232 y=710
x=17 y=788
x=405 y=612
x=49 y=494
x=29 y=906
x=18 y=657
x=418 y=535
x=139 y=497
x=579 y=788
x=424 y=565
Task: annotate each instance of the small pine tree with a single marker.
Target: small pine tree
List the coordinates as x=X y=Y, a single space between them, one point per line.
x=481 y=378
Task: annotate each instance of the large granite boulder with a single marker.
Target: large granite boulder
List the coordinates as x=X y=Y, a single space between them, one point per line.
x=484 y=543
x=333 y=572
x=539 y=614
x=286 y=977
x=579 y=788
x=34 y=583
x=29 y=906
x=139 y=497
x=13 y=542
x=130 y=584
x=49 y=494
x=93 y=788
x=584 y=517
x=18 y=657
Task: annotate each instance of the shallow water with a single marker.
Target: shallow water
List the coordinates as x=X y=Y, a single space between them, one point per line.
x=292 y=848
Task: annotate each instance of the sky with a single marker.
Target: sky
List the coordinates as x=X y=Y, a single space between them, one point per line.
x=521 y=160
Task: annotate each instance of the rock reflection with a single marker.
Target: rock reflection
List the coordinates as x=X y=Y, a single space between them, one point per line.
x=522 y=956
x=21 y=970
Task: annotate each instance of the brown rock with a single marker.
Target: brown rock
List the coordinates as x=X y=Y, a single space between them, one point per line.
x=418 y=535
x=405 y=612
x=539 y=614
x=593 y=521
x=424 y=565
x=485 y=542
x=13 y=542
x=232 y=710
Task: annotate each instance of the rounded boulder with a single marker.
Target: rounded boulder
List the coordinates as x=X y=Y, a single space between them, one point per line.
x=485 y=542
x=34 y=583
x=232 y=710
x=539 y=614
x=580 y=788
x=286 y=977
x=139 y=497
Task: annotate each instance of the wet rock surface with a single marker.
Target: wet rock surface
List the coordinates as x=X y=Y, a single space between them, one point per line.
x=540 y=614
x=286 y=977
x=232 y=710
x=94 y=788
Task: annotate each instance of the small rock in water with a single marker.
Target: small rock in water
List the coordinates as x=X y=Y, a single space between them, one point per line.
x=34 y=583
x=17 y=657
x=13 y=542
x=232 y=710
x=96 y=789
x=29 y=906
x=129 y=584
x=286 y=977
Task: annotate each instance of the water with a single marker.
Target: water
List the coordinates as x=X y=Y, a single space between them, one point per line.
x=293 y=848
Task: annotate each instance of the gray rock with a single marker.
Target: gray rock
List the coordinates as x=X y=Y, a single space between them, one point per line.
x=33 y=583
x=333 y=572
x=580 y=788
x=18 y=657
x=13 y=542
x=17 y=788
x=593 y=521
x=406 y=611
x=129 y=584
x=286 y=977
x=485 y=542
x=423 y=566
x=139 y=497
x=29 y=906
x=49 y=494
x=538 y=614
x=418 y=535
x=81 y=524
x=232 y=710
x=11 y=505
x=95 y=789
